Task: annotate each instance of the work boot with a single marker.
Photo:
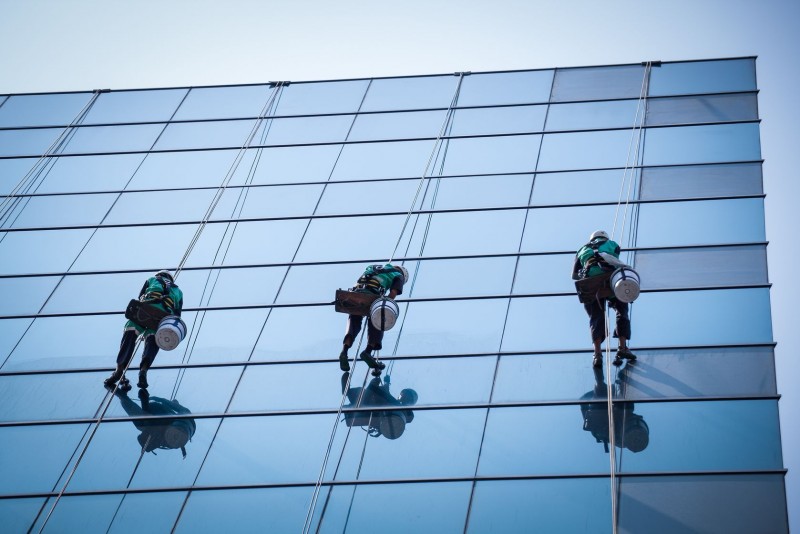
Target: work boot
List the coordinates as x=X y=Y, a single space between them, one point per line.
x=142 y=378
x=597 y=360
x=344 y=361
x=112 y=380
x=124 y=384
x=624 y=352
x=617 y=361
x=370 y=361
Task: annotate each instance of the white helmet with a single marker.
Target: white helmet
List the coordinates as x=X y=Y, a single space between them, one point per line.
x=598 y=233
x=165 y=274
x=404 y=271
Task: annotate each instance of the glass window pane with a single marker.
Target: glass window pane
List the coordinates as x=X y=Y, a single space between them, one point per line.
x=186 y=169
x=484 y=121
x=397 y=125
x=672 y=373
x=25 y=295
x=701 y=222
x=225 y=134
x=474 y=276
x=595 y=83
x=702 y=267
x=296 y=164
x=241 y=329
x=506 y=88
x=367 y=197
x=717 y=504
x=347 y=237
x=703 y=77
x=410 y=93
x=40 y=251
x=304 y=130
x=451 y=327
x=277 y=201
x=13 y=170
x=321 y=97
x=113 y=456
x=579 y=187
x=90 y=173
x=702 y=144
x=446 y=229
x=544 y=274
x=689 y=109
x=61 y=210
x=701 y=181
x=491 y=155
x=517 y=505
x=728 y=316
x=41 y=397
x=169 y=206
x=28 y=142
x=286 y=333
x=374 y=161
x=18 y=515
x=135 y=106
x=91 y=139
x=30 y=462
x=42 y=110
x=617 y=114
x=548 y=323
x=224 y=102
x=584 y=150
x=560 y=229
x=481 y=191
x=251 y=510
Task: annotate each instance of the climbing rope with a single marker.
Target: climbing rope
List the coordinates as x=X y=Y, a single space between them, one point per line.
x=12 y=199
x=192 y=243
x=628 y=178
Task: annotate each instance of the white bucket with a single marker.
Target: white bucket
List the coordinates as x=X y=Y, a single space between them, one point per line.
x=171 y=331
x=625 y=283
x=383 y=313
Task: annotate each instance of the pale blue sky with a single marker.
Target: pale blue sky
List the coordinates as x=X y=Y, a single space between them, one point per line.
x=88 y=44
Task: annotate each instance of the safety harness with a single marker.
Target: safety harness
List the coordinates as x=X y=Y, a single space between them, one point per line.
x=162 y=296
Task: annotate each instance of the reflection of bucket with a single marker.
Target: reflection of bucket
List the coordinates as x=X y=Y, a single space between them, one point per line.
x=393 y=424
x=177 y=435
x=625 y=283
x=383 y=313
x=637 y=435
x=170 y=333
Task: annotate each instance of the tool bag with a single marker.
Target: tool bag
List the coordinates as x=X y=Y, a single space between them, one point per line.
x=354 y=302
x=144 y=314
x=594 y=287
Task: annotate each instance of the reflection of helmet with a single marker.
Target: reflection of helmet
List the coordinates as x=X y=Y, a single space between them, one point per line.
x=404 y=271
x=408 y=397
x=599 y=233
x=165 y=274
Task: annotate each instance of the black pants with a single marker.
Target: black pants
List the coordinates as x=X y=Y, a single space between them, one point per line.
x=597 y=323
x=127 y=345
x=374 y=336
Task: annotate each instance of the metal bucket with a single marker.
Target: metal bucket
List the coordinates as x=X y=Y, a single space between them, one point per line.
x=383 y=313
x=171 y=331
x=625 y=283
x=392 y=424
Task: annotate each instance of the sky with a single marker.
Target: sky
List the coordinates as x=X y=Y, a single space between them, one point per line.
x=52 y=45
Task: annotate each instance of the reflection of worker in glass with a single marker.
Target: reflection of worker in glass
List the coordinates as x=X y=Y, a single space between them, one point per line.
x=159 y=434
x=376 y=279
x=389 y=423
x=630 y=430
x=598 y=257
x=160 y=291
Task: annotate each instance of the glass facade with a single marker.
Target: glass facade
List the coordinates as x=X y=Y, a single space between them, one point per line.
x=267 y=198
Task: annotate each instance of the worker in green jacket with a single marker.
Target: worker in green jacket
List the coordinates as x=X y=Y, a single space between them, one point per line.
x=376 y=279
x=161 y=291
x=595 y=258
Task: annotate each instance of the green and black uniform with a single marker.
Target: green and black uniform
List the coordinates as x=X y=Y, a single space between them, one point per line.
x=588 y=263
x=162 y=293
x=378 y=280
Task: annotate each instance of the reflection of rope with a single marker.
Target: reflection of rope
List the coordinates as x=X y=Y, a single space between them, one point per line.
x=124 y=495
x=442 y=130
